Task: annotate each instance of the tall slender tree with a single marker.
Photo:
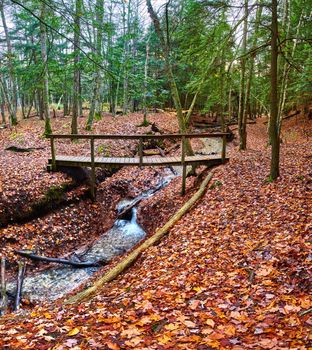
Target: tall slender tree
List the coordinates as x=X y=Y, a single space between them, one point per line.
x=273 y=129
x=76 y=90
x=12 y=92
x=173 y=86
x=45 y=77
x=95 y=99
x=242 y=93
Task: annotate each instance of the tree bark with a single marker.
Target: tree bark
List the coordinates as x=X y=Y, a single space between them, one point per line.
x=45 y=82
x=10 y=56
x=126 y=24
x=273 y=128
x=183 y=127
x=252 y=61
x=145 y=121
x=2 y=107
x=95 y=100
x=285 y=77
x=76 y=91
x=241 y=112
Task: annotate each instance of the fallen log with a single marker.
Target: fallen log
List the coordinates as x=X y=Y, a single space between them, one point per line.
x=22 y=149
x=126 y=214
x=78 y=264
x=287 y=116
x=129 y=260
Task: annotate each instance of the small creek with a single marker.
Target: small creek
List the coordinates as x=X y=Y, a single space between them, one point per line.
x=56 y=282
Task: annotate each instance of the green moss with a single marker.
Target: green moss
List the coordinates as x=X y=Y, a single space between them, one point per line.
x=52 y=197
x=144 y=123
x=269 y=180
x=216 y=184
x=97 y=116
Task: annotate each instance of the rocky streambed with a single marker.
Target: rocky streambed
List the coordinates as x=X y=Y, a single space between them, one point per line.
x=56 y=282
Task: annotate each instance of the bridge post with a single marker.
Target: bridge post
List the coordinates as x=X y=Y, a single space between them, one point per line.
x=53 y=153
x=92 y=187
x=223 y=148
x=141 y=151
x=183 y=166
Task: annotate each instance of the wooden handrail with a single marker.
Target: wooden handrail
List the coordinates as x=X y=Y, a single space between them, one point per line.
x=141 y=138
x=136 y=137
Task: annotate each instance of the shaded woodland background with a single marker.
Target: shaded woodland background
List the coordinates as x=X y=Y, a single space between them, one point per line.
x=106 y=56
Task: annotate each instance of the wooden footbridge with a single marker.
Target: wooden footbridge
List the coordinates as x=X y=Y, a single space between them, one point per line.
x=92 y=161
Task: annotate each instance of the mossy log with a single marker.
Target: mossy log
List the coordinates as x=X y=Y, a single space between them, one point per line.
x=129 y=260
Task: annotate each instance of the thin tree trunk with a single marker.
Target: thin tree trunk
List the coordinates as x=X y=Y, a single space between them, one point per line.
x=13 y=94
x=19 y=284
x=173 y=86
x=241 y=112
x=2 y=106
x=145 y=121
x=252 y=61
x=44 y=56
x=285 y=78
x=274 y=137
x=95 y=101
x=76 y=91
x=126 y=25
x=4 y=299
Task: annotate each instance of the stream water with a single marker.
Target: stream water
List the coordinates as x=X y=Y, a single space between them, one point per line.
x=56 y=282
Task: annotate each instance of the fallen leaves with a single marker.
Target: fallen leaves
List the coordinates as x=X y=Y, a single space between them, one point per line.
x=232 y=274
x=73 y=332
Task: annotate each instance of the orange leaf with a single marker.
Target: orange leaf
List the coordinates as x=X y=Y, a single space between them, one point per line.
x=210 y=322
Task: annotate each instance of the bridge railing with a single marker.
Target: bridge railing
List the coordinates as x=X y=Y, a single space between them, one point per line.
x=141 y=138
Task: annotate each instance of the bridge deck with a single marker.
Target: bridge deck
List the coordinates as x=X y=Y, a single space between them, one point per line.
x=73 y=161
x=56 y=162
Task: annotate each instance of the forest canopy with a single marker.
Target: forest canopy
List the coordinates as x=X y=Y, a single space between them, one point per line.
x=107 y=56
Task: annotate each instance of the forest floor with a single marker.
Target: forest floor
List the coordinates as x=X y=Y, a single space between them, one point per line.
x=233 y=273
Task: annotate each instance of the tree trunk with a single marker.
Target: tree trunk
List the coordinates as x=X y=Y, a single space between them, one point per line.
x=273 y=129
x=252 y=61
x=173 y=86
x=126 y=25
x=145 y=121
x=76 y=90
x=95 y=101
x=285 y=77
x=2 y=107
x=241 y=112
x=12 y=94
x=44 y=56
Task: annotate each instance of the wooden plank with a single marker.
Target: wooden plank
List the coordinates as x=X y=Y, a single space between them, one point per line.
x=136 y=137
x=130 y=161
